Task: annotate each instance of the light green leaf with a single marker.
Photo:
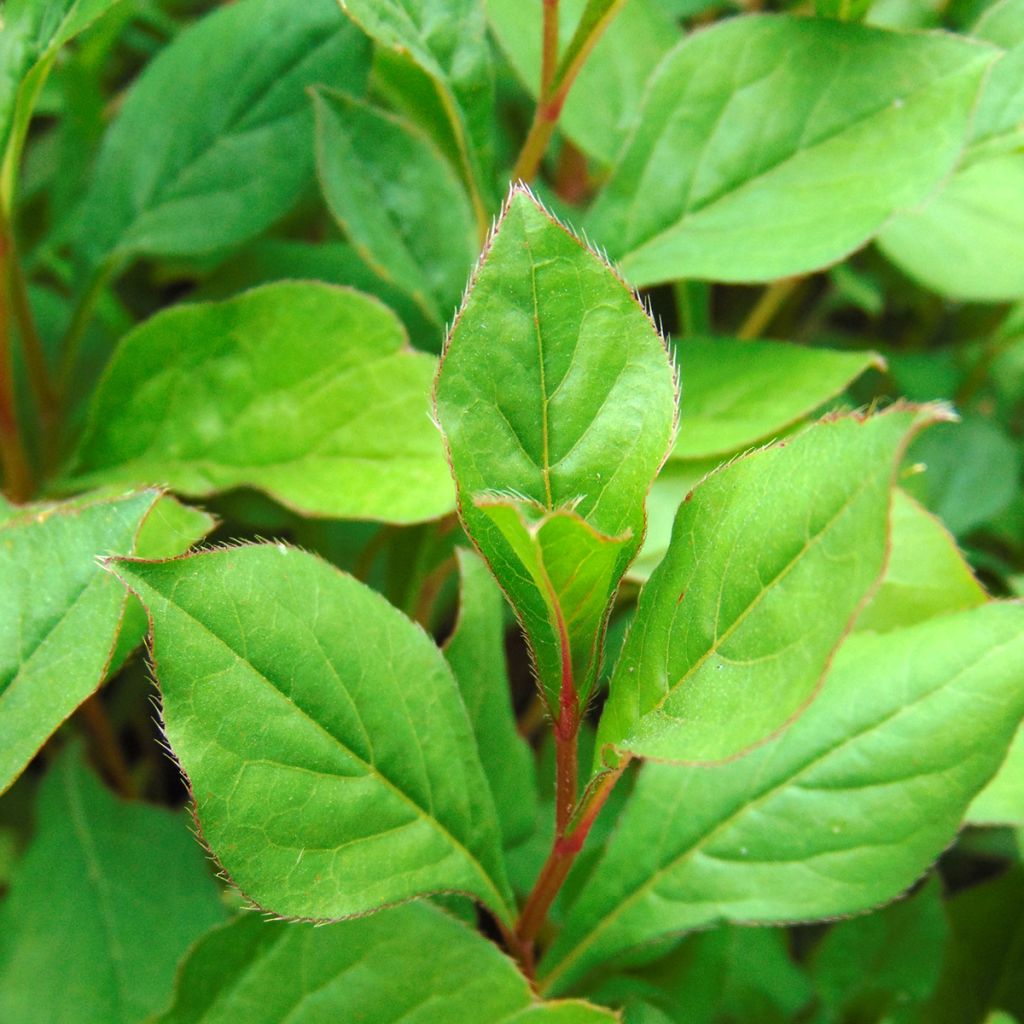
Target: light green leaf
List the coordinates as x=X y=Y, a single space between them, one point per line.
x=397 y=200
x=198 y=162
x=32 y=33
x=106 y=900
x=604 y=101
x=878 y=963
x=864 y=122
x=476 y=653
x=736 y=393
x=967 y=242
x=770 y=561
x=306 y=391
x=926 y=574
x=59 y=614
x=555 y=389
x=266 y=972
x=985 y=959
x=448 y=40
x=348 y=779
x=1001 y=802
x=841 y=813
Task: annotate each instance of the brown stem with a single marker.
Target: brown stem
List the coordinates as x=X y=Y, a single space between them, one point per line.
x=563 y=855
x=93 y=717
x=549 y=46
x=566 y=769
x=13 y=458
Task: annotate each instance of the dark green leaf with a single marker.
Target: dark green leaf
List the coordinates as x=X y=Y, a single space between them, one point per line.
x=198 y=162
x=105 y=902
x=413 y=965
x=476 y=653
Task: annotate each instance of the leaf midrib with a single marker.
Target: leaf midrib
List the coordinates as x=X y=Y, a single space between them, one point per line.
x=370 y=768
x=760 y=798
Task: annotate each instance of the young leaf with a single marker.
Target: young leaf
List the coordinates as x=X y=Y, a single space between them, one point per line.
x=195 y=163
x=604 y=101
x=107 y=899
x=306 y=391
x=476 y=653
x=926 y=575
x=348 y=778
x=59 y=614
x=265 y=972
x=397 y=200
x=841 y=813
x=710 y=187
x=771 y=559
x=738 y=393
x=556 y=399
x=447 y=39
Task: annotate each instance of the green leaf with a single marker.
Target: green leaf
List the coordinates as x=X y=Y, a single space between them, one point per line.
x=555 y=390
x=840 y=814
x=277 y=259
x=195 y=163
x=737 y=393
x=448 y=40
x=33 y=32
x=965 y=241
x=476 y=653
x=266 y=972
x=107 y=899
x=771 y=559
x=59 y=614
x=604 y=101
x=576 y=571
x=397 y=200
x=926 y=574
x=709 y=187
x=985 y=959
x=306 y=391
x=1001 y=802
x=873 y=965
x=349 y=778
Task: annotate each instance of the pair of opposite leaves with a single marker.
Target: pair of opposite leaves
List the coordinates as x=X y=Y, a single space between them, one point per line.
x=331 y=760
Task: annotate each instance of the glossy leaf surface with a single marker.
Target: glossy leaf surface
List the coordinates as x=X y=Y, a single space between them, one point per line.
x=84 y=900
x=555 y=389
x=710 y=187
x=59 y=614
x=305 y=391
x=329 y=752
x=770 y=562
x=476 y=653
x=264 y=972
x=398 y=200
x=195 y=163
x=839 y=814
